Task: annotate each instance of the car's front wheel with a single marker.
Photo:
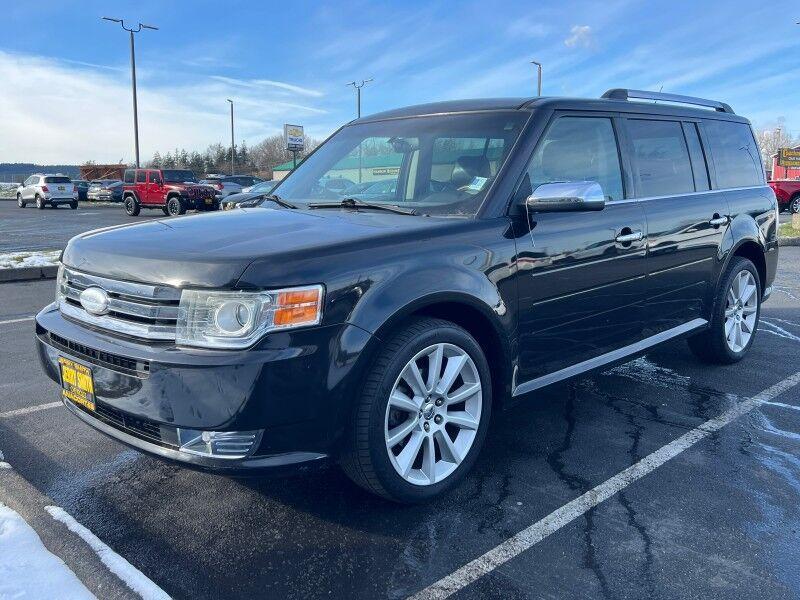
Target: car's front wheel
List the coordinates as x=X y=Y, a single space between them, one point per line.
x=423 y=413
x=175 y=206
x=737 y=308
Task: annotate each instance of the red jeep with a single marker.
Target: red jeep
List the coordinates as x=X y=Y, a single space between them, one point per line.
x=787 y=191
x=172 y=190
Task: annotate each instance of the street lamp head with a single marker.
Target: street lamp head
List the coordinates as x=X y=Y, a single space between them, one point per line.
x=229 y=100
x=111 y=19
x=143 y=26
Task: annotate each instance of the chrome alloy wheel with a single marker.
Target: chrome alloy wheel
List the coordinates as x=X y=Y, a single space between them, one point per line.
x=741 y=309
x=433 y=414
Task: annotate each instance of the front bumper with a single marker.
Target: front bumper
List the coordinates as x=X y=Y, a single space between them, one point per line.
x=295 y=388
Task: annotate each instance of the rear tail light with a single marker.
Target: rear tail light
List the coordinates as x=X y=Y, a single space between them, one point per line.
x=45 y=188
x=219 y=185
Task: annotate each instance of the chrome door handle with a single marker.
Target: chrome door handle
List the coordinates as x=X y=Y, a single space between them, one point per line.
x=626 y=238
x=718 y=221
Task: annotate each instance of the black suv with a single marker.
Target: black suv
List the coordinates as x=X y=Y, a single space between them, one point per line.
x=524 y=242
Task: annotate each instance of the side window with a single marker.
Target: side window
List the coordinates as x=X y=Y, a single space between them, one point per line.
x=736 y=157
x=576 y=149
x=129 y=173
x=154 y=177
x=141 y=176
x=698 y=157
x=661 y=165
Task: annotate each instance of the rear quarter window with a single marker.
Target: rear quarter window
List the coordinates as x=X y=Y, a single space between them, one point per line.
x=736 y=157
x=141 y=176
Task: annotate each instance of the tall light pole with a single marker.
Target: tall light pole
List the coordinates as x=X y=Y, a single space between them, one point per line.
x=357 y=87
x=539 y=80
x=232 y=143
x=133 y=78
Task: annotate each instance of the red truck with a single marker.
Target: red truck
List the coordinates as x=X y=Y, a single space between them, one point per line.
x=787 y=191
x=172 y=190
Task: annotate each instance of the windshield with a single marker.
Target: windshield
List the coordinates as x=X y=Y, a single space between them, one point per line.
x=439 y=165
x=179 y=175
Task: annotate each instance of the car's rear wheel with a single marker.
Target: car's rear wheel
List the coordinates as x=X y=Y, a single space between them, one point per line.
x=132 y=206
x=39 y=202
x=73 y=205
x=794 y=204
x=737 y=308
x=175 y=207
x=20 y=201
x=423 y=413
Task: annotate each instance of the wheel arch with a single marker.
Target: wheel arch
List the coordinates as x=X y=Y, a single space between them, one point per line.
x=473 y=315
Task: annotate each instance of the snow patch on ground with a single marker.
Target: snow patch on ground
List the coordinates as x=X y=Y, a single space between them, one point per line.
x=28 y=569
x=133 y=577
x=647 y=371
x=33 y=258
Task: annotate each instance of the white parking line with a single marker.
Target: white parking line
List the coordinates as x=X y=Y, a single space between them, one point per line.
x=534 y=534
x=16 y=320
x=130 y=575
x=29 y=409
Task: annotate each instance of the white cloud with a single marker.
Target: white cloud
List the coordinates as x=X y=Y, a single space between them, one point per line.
x=63 y=113
x=580 y=35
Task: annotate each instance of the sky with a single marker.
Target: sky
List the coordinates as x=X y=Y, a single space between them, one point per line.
x=65 y=92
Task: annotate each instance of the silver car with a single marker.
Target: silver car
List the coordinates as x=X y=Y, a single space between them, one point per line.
x=47 y=189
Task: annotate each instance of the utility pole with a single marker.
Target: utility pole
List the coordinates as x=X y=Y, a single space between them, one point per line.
x=233 y=146
x=539 y=79
x=357 y=87
x=131 y=31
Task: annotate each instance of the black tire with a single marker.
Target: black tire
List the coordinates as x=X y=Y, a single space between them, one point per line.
x=365 y=458
x=164 y=210
x=711 y=345
x=175 y=206
x=132 y=206
x=74 y=205
x=40 y=203
x=20 y=201
x=794 y=204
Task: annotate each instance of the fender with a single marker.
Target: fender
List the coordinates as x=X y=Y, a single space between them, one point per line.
x=742 y=230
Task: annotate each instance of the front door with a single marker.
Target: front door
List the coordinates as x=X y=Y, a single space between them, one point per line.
x=582 y=275
x=153 y=188
x=686 y=219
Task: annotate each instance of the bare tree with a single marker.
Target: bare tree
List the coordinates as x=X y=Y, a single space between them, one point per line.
x=771 y=140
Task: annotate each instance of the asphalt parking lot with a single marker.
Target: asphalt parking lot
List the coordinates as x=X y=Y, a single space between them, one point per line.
x=719 y=519
x=50 y=229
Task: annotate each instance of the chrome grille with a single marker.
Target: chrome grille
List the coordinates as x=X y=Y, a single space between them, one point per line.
x=134 y=309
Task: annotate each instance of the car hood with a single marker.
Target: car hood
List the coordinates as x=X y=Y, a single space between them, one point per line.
x=214 y=249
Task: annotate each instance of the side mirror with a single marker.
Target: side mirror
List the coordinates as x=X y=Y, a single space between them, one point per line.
x=567 y=197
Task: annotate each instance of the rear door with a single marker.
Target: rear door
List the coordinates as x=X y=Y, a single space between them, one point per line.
x=581 y=275
x=686 y=220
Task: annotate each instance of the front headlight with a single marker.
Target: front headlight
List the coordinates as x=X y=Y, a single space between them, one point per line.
x=221 y=319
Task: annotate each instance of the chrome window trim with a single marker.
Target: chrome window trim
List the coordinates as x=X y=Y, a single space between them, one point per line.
x=716 y=191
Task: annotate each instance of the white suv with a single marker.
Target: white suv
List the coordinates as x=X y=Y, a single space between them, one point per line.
x=47 y=189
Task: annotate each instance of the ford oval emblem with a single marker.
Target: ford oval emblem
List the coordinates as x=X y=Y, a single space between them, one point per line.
x=94 y=301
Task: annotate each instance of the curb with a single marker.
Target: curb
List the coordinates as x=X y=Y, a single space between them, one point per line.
x=28 y=273
x=792 y=241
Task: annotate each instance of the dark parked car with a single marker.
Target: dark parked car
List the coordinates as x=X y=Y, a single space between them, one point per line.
x=560 y=236
x=83 y=188
x=105 y=190
x=255 y=193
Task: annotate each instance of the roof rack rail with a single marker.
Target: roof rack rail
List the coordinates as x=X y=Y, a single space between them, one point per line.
x=625 y=94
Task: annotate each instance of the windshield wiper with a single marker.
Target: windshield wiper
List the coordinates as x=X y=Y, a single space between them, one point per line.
x=353 y=203
x=277 y=200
